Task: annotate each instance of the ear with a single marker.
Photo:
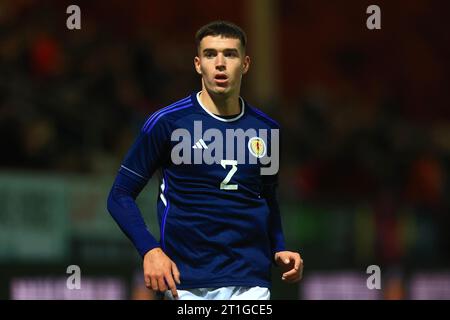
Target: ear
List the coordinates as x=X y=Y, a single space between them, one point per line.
x=197 y=65
x=246 y=65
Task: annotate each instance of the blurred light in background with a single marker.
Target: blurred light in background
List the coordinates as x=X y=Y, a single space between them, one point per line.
x=49 y=288
x=351 y=285
x=337 y=286
x=430 y=286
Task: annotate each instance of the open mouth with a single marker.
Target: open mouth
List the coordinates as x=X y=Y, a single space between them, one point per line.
x=221 y=78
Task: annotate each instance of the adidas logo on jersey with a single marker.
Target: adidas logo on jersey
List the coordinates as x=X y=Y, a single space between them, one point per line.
x=200 y=144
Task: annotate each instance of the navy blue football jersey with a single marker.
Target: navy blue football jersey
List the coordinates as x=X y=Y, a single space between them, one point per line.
x=217 y=209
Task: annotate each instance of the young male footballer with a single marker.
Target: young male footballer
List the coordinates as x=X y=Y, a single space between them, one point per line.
x=217 y=159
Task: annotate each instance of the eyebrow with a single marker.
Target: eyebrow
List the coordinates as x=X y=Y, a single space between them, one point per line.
x=207 y=50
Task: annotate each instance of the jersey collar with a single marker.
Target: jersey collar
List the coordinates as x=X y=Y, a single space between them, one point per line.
x=197 y=97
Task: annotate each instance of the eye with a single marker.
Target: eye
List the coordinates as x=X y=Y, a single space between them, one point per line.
x=209 y=54
x=231 y=54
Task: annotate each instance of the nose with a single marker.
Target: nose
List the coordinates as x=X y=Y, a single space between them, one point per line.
x=220 y=62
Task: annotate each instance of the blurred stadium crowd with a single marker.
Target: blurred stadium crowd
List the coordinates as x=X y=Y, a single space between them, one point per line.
x=365 y=116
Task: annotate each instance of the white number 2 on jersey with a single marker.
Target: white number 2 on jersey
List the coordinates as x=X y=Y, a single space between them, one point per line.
x=224 y=184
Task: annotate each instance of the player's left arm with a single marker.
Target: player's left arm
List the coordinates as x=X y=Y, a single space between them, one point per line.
x=290 y=262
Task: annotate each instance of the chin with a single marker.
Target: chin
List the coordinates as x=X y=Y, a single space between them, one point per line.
x=219 y=91
x=222 y=90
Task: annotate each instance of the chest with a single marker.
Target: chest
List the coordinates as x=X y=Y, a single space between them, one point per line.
x=223 y=155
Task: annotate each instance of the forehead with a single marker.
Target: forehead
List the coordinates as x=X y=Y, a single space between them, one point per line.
x=219 y=42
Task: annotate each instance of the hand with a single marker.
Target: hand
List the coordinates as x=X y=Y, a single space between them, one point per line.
x=160 y=271
x=291 y=264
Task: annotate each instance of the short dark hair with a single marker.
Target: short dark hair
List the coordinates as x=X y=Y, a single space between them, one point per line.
x=221 y=28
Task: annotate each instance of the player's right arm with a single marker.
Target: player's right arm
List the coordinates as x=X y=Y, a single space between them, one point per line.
x=144 y=157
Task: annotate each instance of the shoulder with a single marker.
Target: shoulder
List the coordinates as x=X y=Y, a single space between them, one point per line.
x=262 y=117
x=169 y=114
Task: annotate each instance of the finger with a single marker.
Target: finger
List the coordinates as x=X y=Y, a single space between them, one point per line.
x=154 y=283
x=176 y=273
x=291 y=273
x=291 y=277
x=281 y=257
x=297 y=278
x=172 y=286
x=298 y=262
x=147 y=281
x=300 y=275
x=162 y=284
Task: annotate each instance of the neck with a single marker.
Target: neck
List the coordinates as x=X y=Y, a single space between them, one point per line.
x=220 y=105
